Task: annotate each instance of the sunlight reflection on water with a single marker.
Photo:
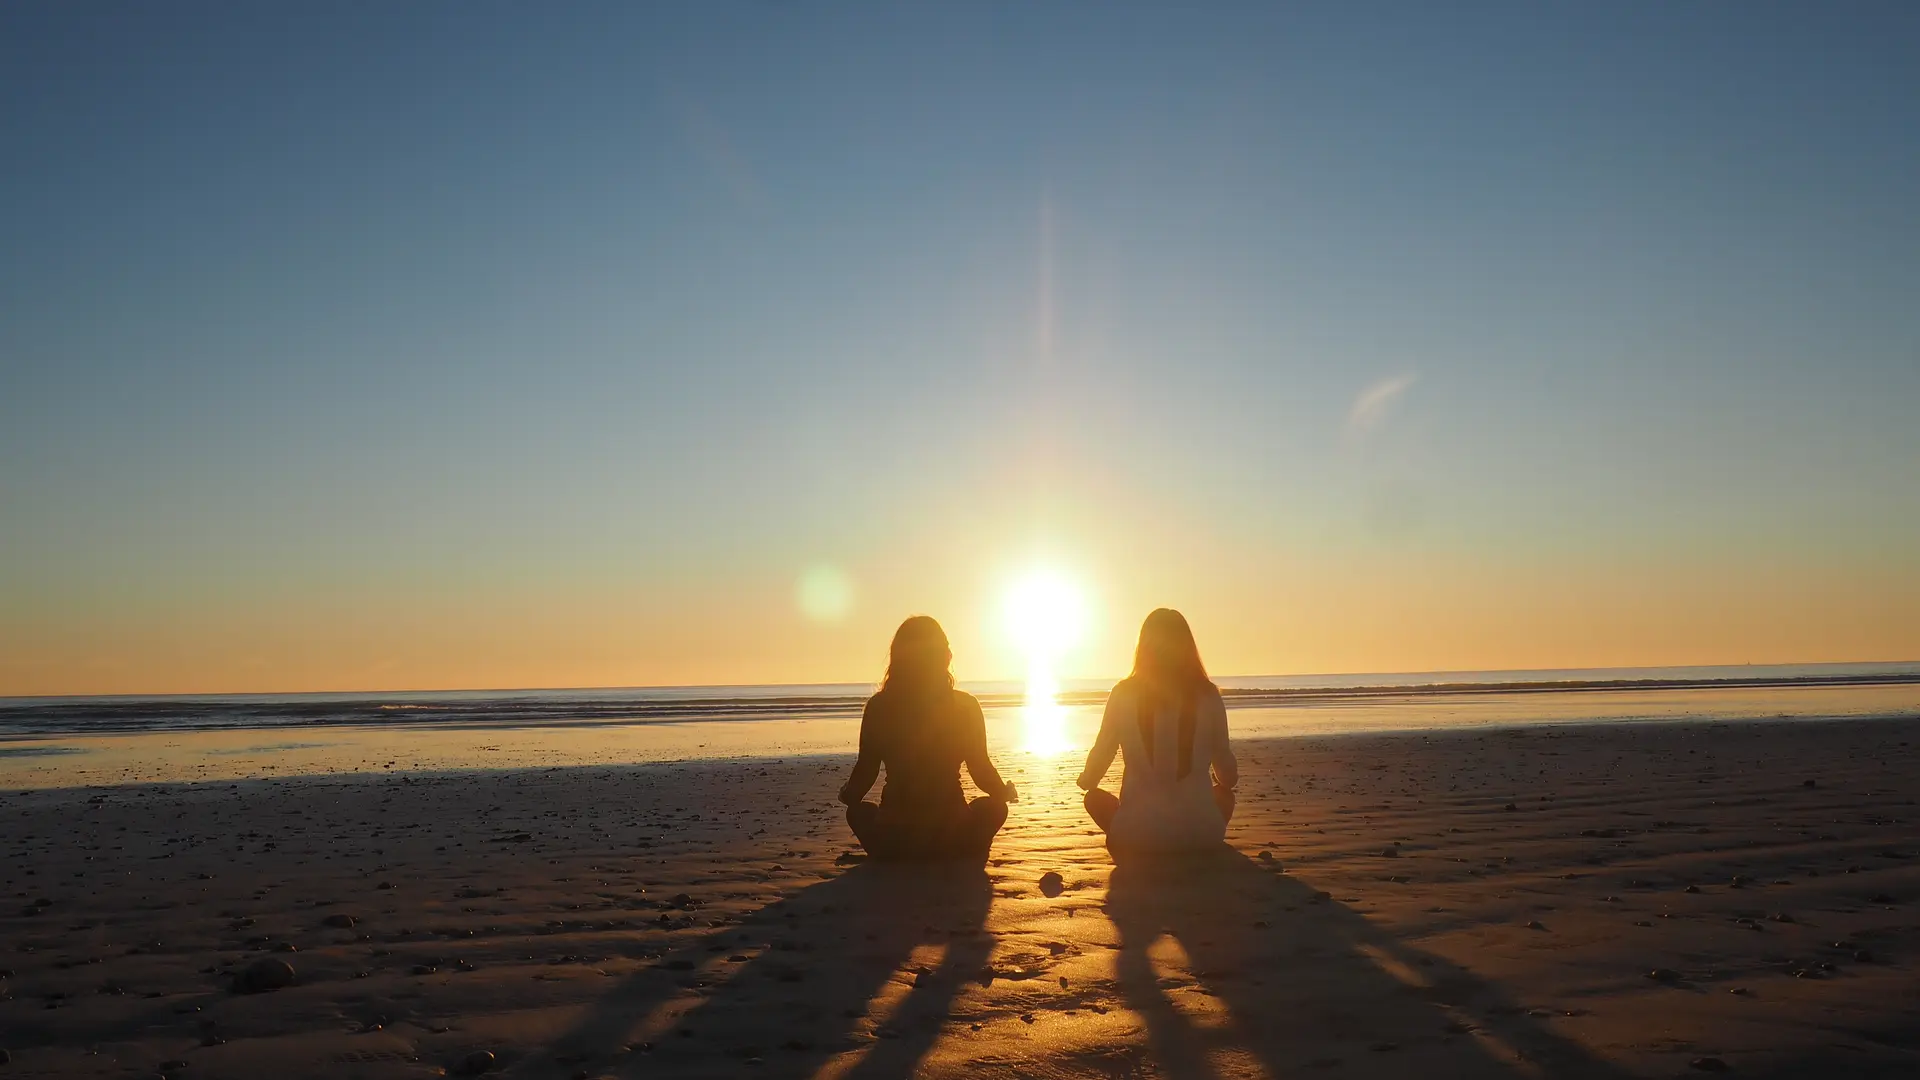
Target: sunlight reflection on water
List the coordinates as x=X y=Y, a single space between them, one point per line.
x=1043 y=719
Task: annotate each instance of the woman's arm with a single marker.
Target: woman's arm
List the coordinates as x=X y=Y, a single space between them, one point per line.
x=1226 y=771
x=867 y=769
x=1100 y=758
x=979 y=765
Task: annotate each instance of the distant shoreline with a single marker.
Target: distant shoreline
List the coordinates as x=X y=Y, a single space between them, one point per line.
x=29 y=717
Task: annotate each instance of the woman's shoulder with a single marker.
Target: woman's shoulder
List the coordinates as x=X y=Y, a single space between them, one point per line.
x=886 y=701
x=1131 y=689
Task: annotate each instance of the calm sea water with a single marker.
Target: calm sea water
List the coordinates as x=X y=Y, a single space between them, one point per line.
x=66 y=716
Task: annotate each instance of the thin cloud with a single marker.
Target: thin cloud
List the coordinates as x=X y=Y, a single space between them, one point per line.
x=1375 y=401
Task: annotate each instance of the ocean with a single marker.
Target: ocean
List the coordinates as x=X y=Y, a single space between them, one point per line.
x=1553 y=693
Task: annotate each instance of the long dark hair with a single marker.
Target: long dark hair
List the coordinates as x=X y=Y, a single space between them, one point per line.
x=1167 y=658
x=919 y=660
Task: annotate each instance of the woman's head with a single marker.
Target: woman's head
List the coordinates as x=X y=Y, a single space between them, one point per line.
x=1167 y=654
x=919 y=657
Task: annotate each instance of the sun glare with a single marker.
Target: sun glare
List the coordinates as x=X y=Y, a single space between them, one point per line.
x=1045 y=617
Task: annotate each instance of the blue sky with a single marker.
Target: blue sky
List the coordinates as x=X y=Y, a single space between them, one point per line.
x=321 y=320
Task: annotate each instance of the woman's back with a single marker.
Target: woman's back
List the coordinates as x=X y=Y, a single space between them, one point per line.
x=1170 y=747
x=922 y=738
x=1167 y=743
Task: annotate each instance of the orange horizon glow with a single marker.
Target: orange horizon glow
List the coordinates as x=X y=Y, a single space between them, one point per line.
x=1291 y=624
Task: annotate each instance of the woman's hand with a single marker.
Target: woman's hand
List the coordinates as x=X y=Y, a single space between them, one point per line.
x=1010 y=794
x=846 y=793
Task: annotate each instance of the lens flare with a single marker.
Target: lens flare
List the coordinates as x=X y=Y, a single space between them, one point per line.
x=824 y=594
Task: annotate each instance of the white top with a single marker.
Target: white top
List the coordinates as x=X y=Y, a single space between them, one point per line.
x=1161 y=809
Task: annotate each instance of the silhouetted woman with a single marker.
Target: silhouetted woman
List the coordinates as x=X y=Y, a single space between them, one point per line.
x=922 y=729
x=1168 y=721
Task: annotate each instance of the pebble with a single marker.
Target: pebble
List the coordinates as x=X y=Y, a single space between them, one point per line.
x=1664 y=975
x=1052 y=884
x=476 y=1063
x=264 y=975
x=339 y=922
x=1710 y=1064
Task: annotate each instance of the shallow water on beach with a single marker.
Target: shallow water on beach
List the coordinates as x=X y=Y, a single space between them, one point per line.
x=1049 y=734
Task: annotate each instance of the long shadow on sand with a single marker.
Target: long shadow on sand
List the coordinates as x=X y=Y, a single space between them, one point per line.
x=790 y=987
x=1307 y=982
x=1286 y=976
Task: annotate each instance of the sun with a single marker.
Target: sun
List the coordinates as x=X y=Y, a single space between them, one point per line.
x=1045 y=617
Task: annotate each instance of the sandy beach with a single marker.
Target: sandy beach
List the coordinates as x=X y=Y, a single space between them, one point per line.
x=1625 y=900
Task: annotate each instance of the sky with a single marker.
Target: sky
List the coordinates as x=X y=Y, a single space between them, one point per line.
x=375 y=346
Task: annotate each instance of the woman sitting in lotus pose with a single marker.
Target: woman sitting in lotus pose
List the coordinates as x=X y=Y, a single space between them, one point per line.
x=1169 y=722
x=922 y=729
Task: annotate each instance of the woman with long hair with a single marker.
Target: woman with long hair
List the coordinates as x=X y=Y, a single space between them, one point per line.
x=922 y=730
x=1168 y=721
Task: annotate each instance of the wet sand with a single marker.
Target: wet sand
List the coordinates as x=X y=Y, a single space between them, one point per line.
x=1628 y=900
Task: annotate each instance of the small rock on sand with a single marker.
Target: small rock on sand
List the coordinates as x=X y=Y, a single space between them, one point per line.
x=339 y=922
x=474 y=1064
x=1051 y=884
x=264 y=975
